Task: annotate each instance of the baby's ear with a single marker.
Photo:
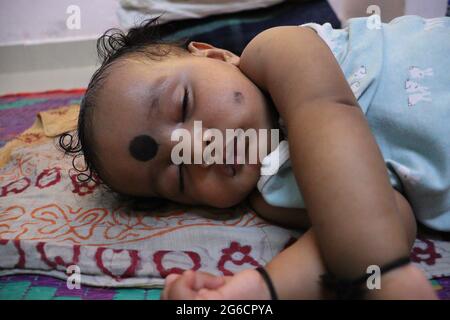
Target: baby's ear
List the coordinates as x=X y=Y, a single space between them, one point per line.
x=202 y=49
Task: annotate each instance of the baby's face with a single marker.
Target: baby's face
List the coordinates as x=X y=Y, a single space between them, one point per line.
x=218 y=94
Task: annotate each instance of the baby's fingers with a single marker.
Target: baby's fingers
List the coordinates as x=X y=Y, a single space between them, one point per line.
x=206 y=294
x=180 y=288
x=185 y=286
x=206 y=280
x=168 y=284
x=171 y=278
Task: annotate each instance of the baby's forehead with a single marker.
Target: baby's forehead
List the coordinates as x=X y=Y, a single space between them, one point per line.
x=136 y=66
x=127 y=78
x=141 y=58
x=132 y=72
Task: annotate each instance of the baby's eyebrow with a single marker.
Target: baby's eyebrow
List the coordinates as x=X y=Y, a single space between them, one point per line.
x=155 y=103
x=155 y=94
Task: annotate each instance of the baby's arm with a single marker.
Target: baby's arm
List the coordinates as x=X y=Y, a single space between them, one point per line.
x=295 y=272
x=334 y=155
x=292 y=218
x=297 y=218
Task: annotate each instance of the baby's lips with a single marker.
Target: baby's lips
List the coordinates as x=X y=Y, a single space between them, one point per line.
x=226 y=169
x=230 y=154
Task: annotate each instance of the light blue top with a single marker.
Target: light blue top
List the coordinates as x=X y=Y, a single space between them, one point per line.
x=400 y=74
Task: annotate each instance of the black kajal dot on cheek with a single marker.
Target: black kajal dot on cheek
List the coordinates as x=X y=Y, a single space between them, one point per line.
x=143 y=147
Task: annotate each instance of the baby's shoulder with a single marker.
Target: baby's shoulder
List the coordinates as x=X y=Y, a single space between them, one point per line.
x=281 y=60
x=277 y=49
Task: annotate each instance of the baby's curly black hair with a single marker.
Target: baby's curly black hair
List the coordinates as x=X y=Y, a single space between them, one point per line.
x=143 y=40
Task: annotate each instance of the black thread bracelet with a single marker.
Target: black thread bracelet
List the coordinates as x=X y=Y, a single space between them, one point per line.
x=268 y=281
x=352 y=289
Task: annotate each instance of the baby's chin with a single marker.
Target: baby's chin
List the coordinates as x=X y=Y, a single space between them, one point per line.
x=226 y=195
x=229 y=200
x=225 y=204
x=244 y=185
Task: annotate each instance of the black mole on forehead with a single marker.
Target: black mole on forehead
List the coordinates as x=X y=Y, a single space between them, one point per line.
x=238 y=97
x=143 y=147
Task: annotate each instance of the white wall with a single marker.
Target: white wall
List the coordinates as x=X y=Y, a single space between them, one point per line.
x=38 y=51
x=38 y=21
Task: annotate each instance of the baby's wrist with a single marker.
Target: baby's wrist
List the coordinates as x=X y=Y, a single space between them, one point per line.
x=266 y=284
x=358 y=288
x=257 y=285
x=405 y=282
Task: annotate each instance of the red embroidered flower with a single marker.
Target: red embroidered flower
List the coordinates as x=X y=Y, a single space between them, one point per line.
x=427 y=254
x=238 y=255
x=53 y=260
x=121 y=263
x=158 y=258
x=83 y=188
x=16 y=186
x=48 y=177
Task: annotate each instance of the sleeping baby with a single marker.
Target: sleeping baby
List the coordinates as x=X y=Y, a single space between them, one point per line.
x=350 y=140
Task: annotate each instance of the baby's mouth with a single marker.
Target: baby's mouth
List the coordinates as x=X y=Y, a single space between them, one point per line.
x=232 y=153
x=231 y=170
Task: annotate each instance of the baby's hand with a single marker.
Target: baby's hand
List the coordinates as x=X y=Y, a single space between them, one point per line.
x=245 y=285
x=187 y=285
